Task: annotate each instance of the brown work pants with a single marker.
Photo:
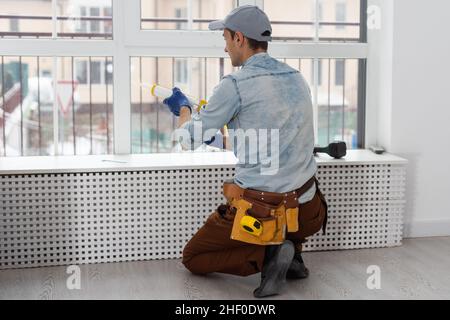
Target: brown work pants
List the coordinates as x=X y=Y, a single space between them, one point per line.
x=212 y=250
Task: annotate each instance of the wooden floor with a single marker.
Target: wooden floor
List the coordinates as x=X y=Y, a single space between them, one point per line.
x=420 y=269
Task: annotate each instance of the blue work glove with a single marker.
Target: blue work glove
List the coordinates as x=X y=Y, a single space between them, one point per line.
x=210 y=141
x=176 y=101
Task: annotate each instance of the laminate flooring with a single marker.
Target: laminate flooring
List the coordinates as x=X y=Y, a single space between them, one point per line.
x=419 y=269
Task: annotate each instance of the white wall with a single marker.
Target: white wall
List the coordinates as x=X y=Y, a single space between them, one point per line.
x=379 y=73
x=416 y=109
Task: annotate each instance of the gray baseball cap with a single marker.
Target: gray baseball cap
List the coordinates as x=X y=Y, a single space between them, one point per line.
x=250 y=20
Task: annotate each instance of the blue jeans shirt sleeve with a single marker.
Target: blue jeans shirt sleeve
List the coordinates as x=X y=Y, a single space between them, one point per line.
x=221 y=108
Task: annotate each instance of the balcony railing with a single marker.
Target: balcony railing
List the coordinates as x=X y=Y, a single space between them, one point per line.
x=338 y=107
x=63 y=34
x=26 y=108
x=108 y=35
x=338 y=104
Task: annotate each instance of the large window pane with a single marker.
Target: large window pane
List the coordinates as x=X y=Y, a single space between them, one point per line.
x=88 y=19
x=164 y=14
x=338 y=102
x=85 y=100
x=85 y=19
x=173 y=14
x=204 y=11
x=337 y=97
x=151 y=122
x=339 y=20
x=25 y=19
x=293 y=20
x=26 y=106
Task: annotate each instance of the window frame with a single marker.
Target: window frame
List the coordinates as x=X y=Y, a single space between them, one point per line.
x=129 y=40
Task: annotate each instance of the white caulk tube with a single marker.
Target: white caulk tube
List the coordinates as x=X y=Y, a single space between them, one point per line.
x=163 y=93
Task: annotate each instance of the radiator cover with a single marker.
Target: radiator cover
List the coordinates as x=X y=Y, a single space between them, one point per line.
x=94 y=214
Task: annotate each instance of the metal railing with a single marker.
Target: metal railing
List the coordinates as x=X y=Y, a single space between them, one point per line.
x=24 y=114
x=336 y=102
x=84 y=116
x=150 y=129
x=276 y=22
x=108 y=35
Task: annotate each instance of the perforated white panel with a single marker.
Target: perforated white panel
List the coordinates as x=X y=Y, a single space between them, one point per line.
x=76 y=218
x=365 y=204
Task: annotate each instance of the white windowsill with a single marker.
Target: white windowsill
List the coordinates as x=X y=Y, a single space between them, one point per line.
x=161 y=161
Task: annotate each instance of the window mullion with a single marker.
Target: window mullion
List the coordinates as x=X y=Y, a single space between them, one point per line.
x=54 y=20
x=55 y=106
x=190 y=27
x=189 y=14
x=316 y=19
x=315 y=90
x=121 y=78
x=55 y=79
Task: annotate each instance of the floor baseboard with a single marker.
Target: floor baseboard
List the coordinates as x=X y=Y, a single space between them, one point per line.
x=427 y=228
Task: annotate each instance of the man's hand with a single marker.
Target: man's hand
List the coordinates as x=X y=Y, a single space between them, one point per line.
x=185 y=116
x=176 y=101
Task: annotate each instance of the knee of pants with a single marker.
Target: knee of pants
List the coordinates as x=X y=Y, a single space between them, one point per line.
x=188 y=260
x=190 y=264
x=186 y=254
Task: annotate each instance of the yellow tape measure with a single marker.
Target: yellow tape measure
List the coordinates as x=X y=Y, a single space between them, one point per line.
x=251 y=225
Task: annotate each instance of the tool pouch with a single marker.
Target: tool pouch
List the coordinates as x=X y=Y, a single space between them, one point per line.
x=292 y=219
x=276 y=212
x=273 y=227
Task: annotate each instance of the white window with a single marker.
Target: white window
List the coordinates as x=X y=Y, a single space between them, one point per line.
x=91 y=45
x=56 y=95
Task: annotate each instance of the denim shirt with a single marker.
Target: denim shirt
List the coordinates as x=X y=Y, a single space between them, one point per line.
x=264 y=94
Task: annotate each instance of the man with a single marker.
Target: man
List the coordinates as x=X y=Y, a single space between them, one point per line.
x=264 y=94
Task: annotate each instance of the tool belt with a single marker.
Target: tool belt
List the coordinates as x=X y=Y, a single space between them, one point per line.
x=271 y=213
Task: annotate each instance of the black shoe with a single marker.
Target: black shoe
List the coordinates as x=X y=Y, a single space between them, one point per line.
x=274 y=270
x=297 y=269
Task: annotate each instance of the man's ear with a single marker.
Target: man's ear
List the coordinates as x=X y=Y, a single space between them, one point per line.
x=239 y=38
